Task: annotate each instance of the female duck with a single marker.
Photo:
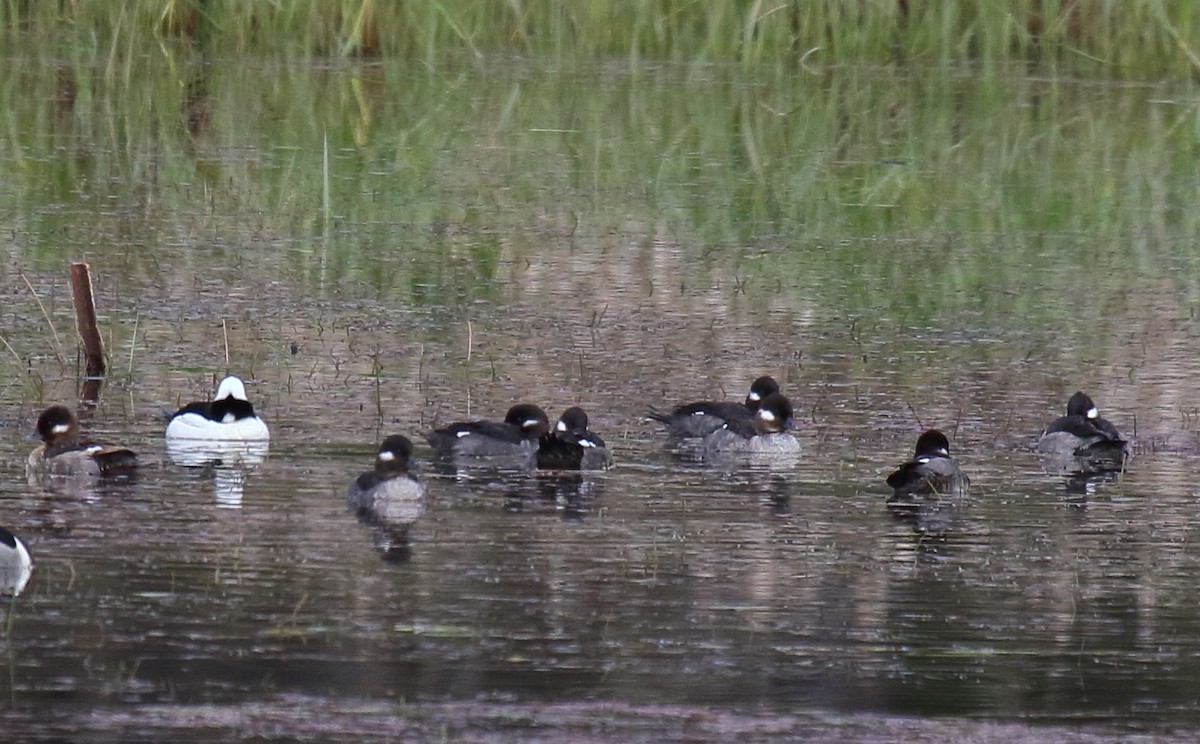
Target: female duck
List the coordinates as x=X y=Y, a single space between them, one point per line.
x=931 y=472
x=389 y=498
x=765 y=433
x=514 y=438
x=702 y=418
x=571 y=446
x=1082 y=441
x=63 y=452
x=15 y=564
x=228 y=417
x=389 y=493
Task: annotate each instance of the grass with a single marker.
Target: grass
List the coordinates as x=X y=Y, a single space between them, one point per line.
x=1138 y=38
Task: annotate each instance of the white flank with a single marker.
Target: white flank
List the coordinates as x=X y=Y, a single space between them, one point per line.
x=196 y=426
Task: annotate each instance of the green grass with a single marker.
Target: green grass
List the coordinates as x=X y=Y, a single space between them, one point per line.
x=1136 y=38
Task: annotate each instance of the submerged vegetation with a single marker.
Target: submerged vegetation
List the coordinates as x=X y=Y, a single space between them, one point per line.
x=1138 y=38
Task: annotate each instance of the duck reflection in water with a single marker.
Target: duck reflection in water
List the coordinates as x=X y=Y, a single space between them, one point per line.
x=389 y=498
x=572 y=494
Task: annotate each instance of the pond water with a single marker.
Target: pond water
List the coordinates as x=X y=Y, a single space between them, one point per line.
x=378 y=249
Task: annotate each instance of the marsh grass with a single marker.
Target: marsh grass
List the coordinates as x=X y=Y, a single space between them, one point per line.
x=1138 y=38
x=884 y=190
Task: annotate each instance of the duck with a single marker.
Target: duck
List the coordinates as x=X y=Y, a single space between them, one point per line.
x=571 y=446
x=389 y=492
x=389 y=497
x=765 y=433
x=514 y=438
x=1083 y=442
x=931 y=472
x=702 y=418
x=64 y=453
x=228 y=417
x=15 y=564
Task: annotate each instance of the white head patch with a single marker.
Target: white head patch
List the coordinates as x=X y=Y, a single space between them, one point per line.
x=386 y=456
x=754 y=396
x=1093 y=412
x=60 y=428
x=461 y=433
x=529 y=423
x=766 y=415
x=231 y=387
x=560 y=426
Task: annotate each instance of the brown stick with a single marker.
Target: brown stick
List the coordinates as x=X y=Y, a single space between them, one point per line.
x=85 y=319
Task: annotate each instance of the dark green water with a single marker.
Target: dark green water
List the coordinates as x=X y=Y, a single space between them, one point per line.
x=387 y=247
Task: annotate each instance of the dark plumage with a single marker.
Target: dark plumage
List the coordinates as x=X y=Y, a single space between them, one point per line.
x=701 y=418
x=64 y=452
x=1082 y=442
x=766 y=432
x=931 y=472
x=389 y=497
x=571 y=446
x=515 y=437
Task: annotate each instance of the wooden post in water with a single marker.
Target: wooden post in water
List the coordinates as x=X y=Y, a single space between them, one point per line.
x=89 y=334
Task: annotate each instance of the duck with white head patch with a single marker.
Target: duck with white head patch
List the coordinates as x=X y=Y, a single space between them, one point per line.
x=767 y=432
x=1082 y=442
x=64 y=452
x=702 y=418
x=932 y=472
x=515 y=439
x=571 y=446
x=228 y=417
x=389 y=497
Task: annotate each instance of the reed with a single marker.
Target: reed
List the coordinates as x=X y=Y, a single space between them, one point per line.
x=1128 y=39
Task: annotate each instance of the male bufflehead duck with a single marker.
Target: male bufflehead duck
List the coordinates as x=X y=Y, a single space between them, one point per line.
x=389 y=493
x=765 y=433
x=570 y=446
x=1091 y=443
x=931 y=472
x=701 y=418
x=515 y=437
x=15 y=564
x=62 y=452
x=227 y=417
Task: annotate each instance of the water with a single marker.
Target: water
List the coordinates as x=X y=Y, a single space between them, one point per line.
x=601 y=239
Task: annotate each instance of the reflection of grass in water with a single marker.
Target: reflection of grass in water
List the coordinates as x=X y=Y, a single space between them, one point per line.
x=900 y=198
